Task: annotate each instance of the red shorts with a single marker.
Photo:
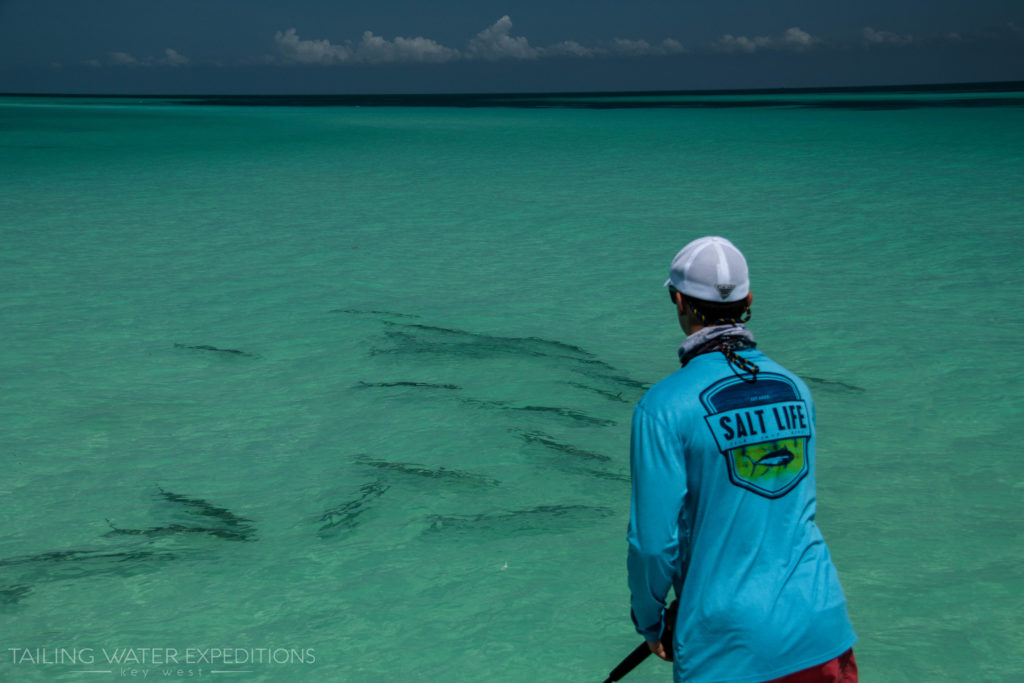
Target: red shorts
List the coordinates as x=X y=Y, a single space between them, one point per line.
x=842 y=669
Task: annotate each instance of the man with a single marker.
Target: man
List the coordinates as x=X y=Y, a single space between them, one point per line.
x=722 y=464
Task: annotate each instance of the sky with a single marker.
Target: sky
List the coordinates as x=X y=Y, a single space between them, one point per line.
x=490 y=46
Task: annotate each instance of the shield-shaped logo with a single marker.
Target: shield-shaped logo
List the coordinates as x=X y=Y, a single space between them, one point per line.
x=762 y=429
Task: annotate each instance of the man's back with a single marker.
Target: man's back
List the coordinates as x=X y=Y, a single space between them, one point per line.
x=723 y=510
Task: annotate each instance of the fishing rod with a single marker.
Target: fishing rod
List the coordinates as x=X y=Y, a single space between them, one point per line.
x=643 y=651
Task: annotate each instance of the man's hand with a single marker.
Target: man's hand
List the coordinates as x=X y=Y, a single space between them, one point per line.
x=658 y=649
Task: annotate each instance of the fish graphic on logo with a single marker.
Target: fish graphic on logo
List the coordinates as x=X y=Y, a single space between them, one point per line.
x=762 y=429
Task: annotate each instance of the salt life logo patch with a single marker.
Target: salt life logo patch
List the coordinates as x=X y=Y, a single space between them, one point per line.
x=762 y=430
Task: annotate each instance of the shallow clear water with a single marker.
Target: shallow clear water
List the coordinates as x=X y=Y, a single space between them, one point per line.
x=426 y=328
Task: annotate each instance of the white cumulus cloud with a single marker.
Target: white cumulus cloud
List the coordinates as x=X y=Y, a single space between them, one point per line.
x=173 y=58
x=873 y=37
x=731 y=43
x=372 y=49
x=123 y=59
x=377 y=50
x=495 y=42
x=670 y=47
x=294 y=49
x=798 y=38
x=641 y=48
x=794 y=38
x=569 y=48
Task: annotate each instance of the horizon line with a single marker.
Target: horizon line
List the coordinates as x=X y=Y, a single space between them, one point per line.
x=977 y=86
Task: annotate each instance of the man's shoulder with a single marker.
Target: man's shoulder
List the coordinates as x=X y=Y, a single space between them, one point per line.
x=770 y=366
x=679 y=390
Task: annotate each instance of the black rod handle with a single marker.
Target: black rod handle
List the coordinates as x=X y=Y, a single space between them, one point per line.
x=631 y=661
x=643 y=651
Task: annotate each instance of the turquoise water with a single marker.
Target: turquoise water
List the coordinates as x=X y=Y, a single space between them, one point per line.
x=385 y=358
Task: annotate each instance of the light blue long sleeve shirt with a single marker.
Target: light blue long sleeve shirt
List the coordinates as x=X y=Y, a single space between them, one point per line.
x=723 y=512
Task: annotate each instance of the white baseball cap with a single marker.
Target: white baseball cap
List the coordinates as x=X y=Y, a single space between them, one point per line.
x=710 y=269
